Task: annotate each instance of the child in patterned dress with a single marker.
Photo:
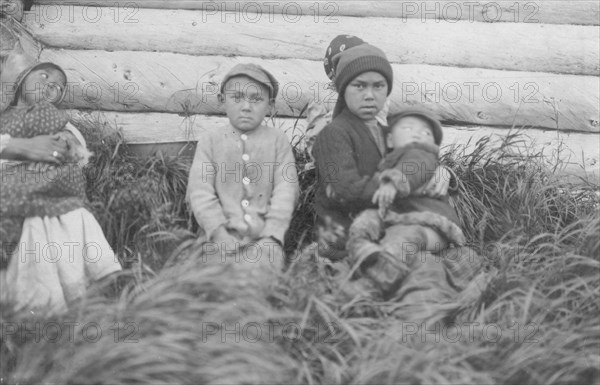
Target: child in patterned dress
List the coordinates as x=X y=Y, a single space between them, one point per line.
x=53 y=246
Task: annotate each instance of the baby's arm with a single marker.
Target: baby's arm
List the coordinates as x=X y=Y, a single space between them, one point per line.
x=285 y=192
x=76 y=134
x=413 y=170
x=77 y=146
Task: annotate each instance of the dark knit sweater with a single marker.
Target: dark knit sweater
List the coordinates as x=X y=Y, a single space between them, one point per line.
x=346 y=159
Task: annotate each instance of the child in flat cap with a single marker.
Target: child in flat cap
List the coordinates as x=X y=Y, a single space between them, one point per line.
x=243 y=185
x=413 y=223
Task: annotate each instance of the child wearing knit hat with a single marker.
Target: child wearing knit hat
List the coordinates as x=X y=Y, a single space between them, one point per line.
x=414 y=223
x=349 y=149
x=318 y=114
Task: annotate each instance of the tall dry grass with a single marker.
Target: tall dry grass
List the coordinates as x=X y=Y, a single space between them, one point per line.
x=185 y=317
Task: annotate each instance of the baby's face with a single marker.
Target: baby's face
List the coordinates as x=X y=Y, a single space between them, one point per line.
x=46 y=84
x=410 y=129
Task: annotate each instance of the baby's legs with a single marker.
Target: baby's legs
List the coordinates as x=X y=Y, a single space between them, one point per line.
x=406 y=240
x=364 y=236
x=401 y=247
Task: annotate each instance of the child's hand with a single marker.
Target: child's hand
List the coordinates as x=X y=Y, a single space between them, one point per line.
x=272 y=250
x=384 y=196
x=226 y=242
x=42 y=148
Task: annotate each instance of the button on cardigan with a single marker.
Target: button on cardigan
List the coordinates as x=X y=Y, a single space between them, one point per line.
x=246 y=181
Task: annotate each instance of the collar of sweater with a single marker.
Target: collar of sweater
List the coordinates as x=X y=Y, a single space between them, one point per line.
x=348 y=119
x=248 y=133
x=393 y=157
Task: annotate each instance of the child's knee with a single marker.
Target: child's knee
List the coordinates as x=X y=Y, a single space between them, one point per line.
x=432 y=240
x=367 y=225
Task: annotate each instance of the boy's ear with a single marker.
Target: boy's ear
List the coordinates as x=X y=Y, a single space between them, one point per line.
x=221 y=97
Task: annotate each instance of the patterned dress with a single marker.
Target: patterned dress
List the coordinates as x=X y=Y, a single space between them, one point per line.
x=53 y=247
x=31 y=189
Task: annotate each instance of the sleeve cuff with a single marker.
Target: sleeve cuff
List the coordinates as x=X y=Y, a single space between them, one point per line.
x=453 y=184
x=4 y=139
x=73 y=130
x=274 y=230
x=398 y=179
x=210 y=229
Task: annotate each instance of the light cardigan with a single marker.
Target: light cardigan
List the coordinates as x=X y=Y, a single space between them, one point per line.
x=246 y=181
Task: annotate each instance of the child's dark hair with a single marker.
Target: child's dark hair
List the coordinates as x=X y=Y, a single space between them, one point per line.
x=23 y=75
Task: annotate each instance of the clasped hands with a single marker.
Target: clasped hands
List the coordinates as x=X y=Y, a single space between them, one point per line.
x=230 y=242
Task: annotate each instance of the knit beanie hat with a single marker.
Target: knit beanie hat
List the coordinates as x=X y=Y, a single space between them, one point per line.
x=353 y=62
x=338 y=45
x=435 y=125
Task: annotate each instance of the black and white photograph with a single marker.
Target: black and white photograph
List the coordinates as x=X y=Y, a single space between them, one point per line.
x=300 y=192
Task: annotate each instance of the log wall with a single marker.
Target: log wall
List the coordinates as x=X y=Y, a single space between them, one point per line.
x=503 y=46
x=580 y=12
x=575 y=152
x=154 y=66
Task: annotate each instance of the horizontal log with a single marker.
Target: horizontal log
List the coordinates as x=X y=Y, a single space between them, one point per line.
x=166 y=82
x=549 y=11
x=579 y=153
x=505 y=46
x=154 y=127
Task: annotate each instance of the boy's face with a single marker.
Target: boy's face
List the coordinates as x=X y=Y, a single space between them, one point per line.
x=246 y=102
x=45 y=84
x=410 y=129
x=366 y=95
